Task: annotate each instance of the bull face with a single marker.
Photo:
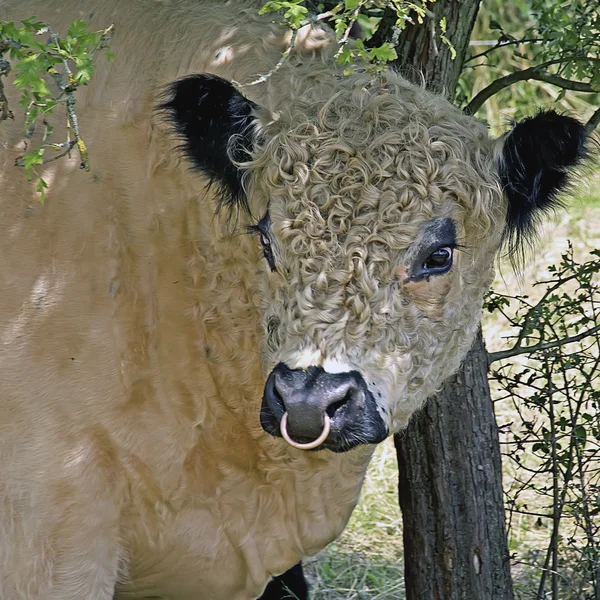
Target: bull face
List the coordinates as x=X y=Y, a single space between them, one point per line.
x=379 y=211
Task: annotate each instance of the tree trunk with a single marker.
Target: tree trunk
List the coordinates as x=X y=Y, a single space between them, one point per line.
x=451 y=493
x=450 y=477
x=420 y=47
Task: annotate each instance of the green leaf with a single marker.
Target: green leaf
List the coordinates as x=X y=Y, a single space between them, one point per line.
x=25 y=38
x=39 y=87
x=33 y=24
x=581 y=434
x=41 y=186
x=384 y=53
x=345 y=56
x=31 y=159
x=84 y=75
x=271 y=7
x=77 y=29
x=295 y=15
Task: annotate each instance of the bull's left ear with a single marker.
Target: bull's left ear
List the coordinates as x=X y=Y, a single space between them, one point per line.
x=534 y=164
x=216 y=124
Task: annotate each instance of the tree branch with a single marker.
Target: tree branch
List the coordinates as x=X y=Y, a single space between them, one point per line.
x=566 y=84
x=594 y=121
x=385 y=29
x=69 y=145
x=537 y=72
x=69 y=90
x=517 y=350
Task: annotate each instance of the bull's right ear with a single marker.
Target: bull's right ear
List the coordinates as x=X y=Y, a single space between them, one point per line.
x=217 y=127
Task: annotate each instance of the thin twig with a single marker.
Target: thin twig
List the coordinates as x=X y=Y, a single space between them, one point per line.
x=284 y=57
x=593 y=121
x=502 y=44
x=69 y=90
x=557 y=506
x=517 y=350
x=70 y=145
x=593 y=554
x=104 y=39
x=343 y=42
x=523 y=324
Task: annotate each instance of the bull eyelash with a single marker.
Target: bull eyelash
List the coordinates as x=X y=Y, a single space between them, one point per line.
x=256 y=229
x=461 y=247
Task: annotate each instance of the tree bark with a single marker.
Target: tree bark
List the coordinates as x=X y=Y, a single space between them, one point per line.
x=421 y=52
x=451 y=493
x=450 y=476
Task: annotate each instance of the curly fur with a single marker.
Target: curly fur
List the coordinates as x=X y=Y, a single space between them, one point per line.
x=351 y=178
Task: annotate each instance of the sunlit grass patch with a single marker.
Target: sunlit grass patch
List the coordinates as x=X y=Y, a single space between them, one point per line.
x=588 y=201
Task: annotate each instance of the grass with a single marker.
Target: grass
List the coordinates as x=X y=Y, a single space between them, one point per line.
x=366 y=563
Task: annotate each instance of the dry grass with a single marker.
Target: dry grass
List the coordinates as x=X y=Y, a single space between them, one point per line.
x=366 y=562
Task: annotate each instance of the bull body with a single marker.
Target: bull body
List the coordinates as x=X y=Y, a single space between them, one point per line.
x=130 y=444
x=132 y=354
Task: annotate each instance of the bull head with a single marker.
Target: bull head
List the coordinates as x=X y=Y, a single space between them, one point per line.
x=380 y=211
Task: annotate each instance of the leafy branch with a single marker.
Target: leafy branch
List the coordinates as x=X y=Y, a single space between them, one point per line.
x=518 y=350
x=344 y=18
x=36 y=52
x=554 y=444
x=542 y=33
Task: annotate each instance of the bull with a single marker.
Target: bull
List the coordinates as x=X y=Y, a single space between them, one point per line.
x=305 y=258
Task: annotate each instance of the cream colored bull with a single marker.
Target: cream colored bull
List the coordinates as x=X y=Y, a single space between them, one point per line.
x=146 y=334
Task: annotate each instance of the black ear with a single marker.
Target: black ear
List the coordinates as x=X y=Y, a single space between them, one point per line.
x=536 y=157
x=216 y=125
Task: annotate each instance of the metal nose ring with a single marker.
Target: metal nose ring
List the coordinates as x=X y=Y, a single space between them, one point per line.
x=309 y=445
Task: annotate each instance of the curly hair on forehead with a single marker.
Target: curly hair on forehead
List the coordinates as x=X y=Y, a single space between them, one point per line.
x=377 y=153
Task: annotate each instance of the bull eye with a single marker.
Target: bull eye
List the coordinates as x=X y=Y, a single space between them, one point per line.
x=439 y=261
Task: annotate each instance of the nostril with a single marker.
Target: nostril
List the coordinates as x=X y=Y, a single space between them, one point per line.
x=333 y=408
x=278 y=397
x=272 y=394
